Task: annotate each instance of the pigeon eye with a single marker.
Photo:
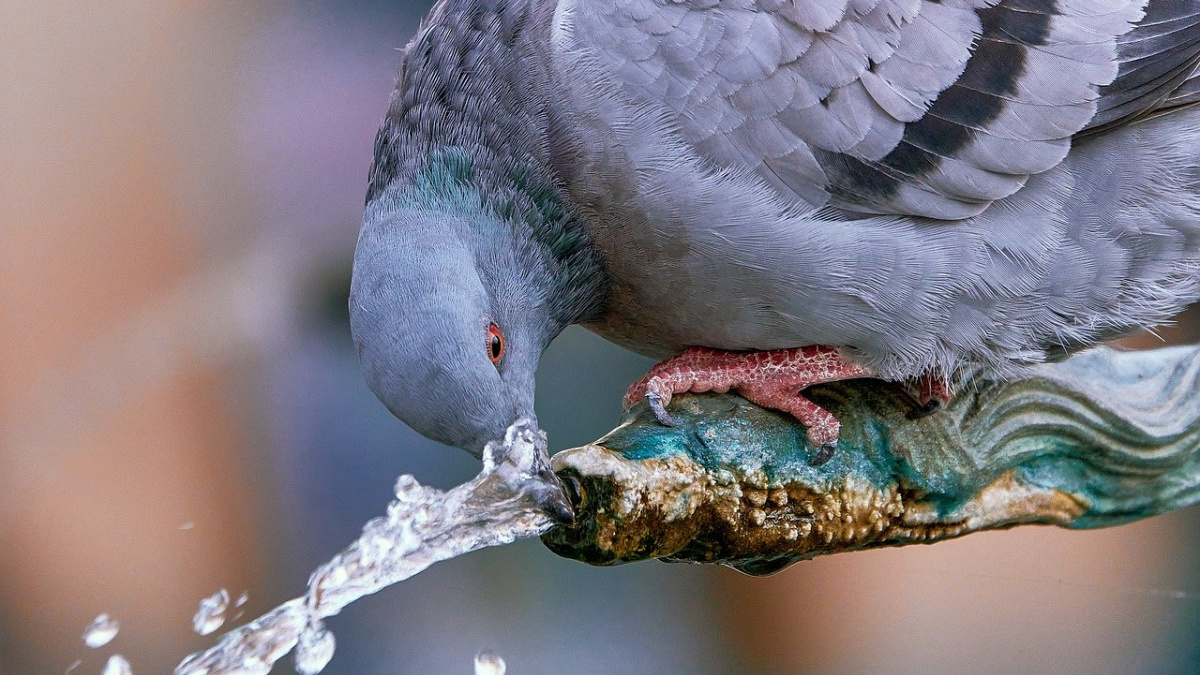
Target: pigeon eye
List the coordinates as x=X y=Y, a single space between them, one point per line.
x=495 y=343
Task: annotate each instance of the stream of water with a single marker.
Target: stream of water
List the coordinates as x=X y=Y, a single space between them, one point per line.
x=508 y=500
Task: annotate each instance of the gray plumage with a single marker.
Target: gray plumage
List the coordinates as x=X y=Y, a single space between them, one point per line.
x=922 y=183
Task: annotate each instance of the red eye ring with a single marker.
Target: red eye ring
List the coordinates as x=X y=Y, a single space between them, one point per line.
x=495 y=343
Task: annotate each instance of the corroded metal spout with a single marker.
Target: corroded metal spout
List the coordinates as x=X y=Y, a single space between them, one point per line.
x=1100 y=439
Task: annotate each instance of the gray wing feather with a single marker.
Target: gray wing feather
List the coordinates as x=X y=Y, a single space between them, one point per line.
x=912 y=107
x=1187 y=94
x=1158 y=61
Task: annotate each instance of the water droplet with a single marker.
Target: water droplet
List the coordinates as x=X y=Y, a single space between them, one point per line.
x=117 y=665
x=314 y=649
x=338 y=576
x=423 y=525
x=487 y=663
x=101 y=631
x=210 y=615
x=375 y=548
x=408 y=489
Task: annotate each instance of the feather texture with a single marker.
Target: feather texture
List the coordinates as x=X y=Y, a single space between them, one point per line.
x=899 y=178
x=911 y=107
x=905 y=179
x=1156 y=59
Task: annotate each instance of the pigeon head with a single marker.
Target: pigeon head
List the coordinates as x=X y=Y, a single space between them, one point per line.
x=448 y=324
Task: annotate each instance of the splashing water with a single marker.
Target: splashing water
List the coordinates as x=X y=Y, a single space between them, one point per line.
x=314 y=649
x=117 y=665
x=487 y=663
x=508 y=500
x=101 y=631
x=210 y=615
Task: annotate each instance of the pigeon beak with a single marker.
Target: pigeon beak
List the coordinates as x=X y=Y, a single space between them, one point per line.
x=551 y=494
x=559 y=508
x=547 y=490
x=534 y=478
x=552 y=497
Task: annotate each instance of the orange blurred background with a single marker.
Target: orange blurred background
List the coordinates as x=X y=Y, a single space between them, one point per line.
x=181 y=409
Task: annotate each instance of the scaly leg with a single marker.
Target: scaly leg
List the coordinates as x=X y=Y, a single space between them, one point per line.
x=771 y=379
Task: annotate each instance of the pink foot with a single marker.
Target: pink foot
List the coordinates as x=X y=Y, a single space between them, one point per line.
x=935 y=394
x=771 y=379
x=934 y=386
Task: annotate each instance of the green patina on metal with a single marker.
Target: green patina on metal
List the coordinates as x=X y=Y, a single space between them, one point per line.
x=1097 y=440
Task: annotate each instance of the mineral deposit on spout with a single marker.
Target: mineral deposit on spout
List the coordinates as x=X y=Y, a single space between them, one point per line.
x=1099 y=439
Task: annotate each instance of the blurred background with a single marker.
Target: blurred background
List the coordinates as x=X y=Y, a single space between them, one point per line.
x=181 y=409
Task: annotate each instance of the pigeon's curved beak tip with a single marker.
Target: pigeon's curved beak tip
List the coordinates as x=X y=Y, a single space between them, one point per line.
x=531 y=455
x=555 y=496
x=555 y=501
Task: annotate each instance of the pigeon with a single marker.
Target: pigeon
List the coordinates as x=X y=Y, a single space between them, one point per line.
x=771 y=194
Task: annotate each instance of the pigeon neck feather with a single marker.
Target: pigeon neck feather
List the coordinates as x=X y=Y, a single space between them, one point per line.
x=521 y=231
x=478 y=148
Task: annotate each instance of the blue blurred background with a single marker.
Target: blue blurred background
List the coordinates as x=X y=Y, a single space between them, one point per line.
x=181 y=408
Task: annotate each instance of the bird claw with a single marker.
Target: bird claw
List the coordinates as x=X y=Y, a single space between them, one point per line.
x=771 y=380
x=921 y=411
x=824 y=453
x=935 y=394
x=655 y=401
